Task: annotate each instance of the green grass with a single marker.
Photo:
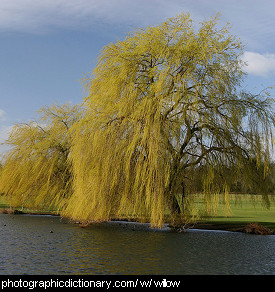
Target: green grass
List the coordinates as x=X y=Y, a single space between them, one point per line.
x=245 y=209
x=5 y=205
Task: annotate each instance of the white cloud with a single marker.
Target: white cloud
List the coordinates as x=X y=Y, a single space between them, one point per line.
x=259 y=64
x=4 y=134
x=252 y=20
x=34 y=16
x=39 y=16
x=2 y=115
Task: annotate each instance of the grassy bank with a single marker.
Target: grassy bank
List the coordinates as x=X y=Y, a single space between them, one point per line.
x=244 y=209
x=5 y=208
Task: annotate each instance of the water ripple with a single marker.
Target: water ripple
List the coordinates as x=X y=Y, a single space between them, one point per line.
x=45 y=245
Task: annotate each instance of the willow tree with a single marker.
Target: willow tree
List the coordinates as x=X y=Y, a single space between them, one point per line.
x=36 y=171
x=160 y=103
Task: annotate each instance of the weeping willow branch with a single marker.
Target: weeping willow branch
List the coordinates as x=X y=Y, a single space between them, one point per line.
x=36 y=171
x=160 y=104
x=163 y=107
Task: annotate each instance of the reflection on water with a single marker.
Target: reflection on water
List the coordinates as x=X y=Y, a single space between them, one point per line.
x=46 y=245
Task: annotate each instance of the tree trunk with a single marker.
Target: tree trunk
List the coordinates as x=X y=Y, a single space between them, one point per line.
x=184 y=203
x=172 y=201
x=183 y=192
x=173 y=205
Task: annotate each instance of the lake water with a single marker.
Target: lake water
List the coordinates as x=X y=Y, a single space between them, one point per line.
x=47 y=245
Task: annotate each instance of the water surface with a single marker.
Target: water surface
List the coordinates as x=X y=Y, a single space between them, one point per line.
x=48 y=245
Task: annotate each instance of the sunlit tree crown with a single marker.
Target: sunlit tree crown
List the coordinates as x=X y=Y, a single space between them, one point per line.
x=161 y=102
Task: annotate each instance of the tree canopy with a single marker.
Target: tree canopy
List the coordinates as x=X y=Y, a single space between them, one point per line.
x=162 y=105
x=162 y=102
x=37 y=172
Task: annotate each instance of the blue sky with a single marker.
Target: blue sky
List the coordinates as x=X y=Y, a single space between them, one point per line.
x=48 y=45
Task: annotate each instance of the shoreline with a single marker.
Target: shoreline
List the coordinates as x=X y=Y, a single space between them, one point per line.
x=251 y=228
x=248 y=228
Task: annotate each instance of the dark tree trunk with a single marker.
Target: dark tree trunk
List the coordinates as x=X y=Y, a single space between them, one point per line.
x=183 y=192
x=174 y=206
x=172 y=202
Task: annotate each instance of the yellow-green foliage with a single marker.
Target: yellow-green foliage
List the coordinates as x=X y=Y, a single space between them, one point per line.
x=162 y=105
x=36 y=171
x=159 y=103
